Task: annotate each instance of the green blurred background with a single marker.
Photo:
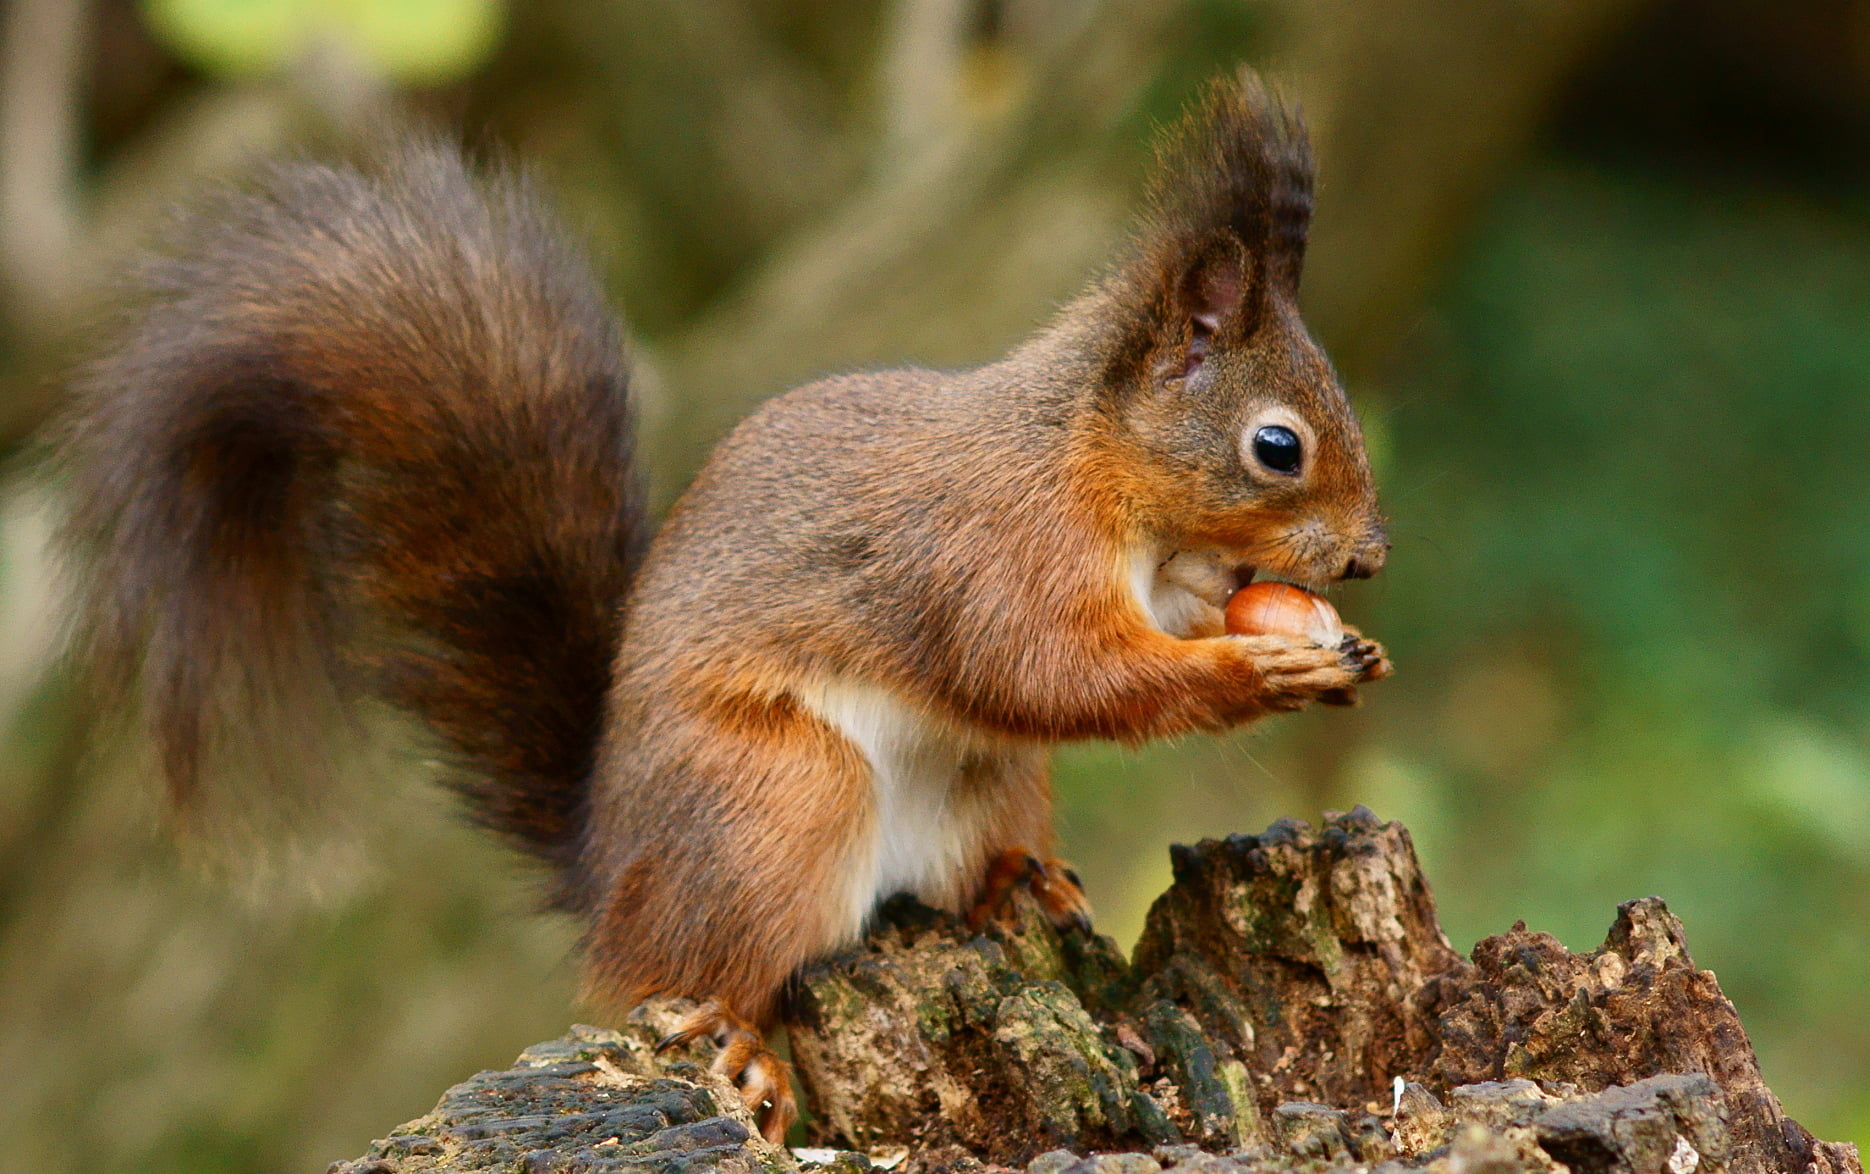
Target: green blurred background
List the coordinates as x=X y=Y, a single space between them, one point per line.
x=1597 y=272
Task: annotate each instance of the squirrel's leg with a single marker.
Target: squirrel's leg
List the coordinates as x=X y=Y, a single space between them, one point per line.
x=1117 y=677
x=739 y=824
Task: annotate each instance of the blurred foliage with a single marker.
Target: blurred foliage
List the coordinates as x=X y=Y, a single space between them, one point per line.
x=1596 y=272
x=420 y=42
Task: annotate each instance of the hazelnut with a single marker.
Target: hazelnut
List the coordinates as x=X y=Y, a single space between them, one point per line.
x=1280 y=609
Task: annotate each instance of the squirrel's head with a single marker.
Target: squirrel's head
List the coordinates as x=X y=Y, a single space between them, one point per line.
x=1244 y=439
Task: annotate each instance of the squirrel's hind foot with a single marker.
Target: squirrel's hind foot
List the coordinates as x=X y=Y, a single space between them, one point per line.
x=763 y=1079
x=1051 y=882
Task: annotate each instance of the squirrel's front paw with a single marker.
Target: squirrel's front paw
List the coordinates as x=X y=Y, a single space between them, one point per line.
x=1297 y=671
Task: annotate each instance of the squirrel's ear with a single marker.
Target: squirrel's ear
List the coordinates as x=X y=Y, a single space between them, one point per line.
x=1230 y=205
x=1214 y=287
x=1208 y=299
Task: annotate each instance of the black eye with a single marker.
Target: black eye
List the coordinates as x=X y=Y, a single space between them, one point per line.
x=1278 y=448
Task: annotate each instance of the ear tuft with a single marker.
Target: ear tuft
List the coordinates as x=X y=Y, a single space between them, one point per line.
x=1238 y=162
x=1230 y=205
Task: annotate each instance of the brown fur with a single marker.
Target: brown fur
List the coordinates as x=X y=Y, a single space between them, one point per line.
x=394 y=398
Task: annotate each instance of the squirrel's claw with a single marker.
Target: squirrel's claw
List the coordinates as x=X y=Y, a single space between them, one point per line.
x=1365 y=657
x=762 y=1078
x=1052 y=883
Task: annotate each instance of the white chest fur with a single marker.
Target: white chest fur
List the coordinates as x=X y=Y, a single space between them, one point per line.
x=1182 y=592
x=931 y=789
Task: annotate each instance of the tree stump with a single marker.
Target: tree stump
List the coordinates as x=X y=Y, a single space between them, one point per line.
x=1292 y=1005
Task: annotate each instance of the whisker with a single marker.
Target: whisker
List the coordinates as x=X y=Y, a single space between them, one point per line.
x=1429 y=482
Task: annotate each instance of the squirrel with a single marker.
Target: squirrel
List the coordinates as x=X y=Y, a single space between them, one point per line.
x=368 y=435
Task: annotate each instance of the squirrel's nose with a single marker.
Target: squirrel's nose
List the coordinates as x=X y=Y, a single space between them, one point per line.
x=1367 y=561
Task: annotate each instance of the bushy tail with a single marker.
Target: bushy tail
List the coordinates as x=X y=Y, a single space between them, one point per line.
x=367 y=435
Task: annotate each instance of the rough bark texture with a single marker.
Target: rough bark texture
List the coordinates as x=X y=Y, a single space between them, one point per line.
x=1292 y=1006
x=1302 y=955
x=594 y=1101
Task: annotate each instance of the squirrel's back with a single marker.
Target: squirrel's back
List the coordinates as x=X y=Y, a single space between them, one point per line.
x=882 y=498
x=366 y=433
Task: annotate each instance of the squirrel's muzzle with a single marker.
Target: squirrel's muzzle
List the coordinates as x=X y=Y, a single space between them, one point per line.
x=1368 y=559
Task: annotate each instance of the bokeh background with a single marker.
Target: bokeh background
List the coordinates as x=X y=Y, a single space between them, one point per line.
x=1597 y=272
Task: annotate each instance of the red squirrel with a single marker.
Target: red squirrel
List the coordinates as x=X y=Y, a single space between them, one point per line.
x=368 y=435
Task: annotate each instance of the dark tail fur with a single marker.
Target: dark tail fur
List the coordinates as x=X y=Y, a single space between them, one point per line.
x=368 y=434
